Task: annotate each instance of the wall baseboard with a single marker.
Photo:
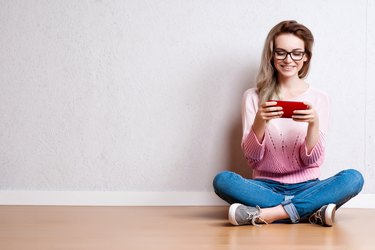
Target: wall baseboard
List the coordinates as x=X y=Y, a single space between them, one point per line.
x=99 y=198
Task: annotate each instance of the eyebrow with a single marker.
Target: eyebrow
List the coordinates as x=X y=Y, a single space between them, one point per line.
x=292 y=49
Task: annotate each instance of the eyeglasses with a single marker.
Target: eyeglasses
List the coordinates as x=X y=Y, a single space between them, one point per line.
x=296 y=55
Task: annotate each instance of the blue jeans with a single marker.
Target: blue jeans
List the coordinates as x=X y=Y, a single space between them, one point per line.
x=299 y=200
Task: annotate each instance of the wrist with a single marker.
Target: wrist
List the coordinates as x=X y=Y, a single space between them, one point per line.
x=314 y=122
x=259 y=121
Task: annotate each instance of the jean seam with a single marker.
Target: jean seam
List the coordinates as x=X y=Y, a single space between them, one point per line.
x=316 y=190
x=264 y=188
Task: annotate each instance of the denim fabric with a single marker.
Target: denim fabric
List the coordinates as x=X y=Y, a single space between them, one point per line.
x=299 y=200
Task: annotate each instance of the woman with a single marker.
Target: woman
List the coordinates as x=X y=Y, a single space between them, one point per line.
x=285 y=154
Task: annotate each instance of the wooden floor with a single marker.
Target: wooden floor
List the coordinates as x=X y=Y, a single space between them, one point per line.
x=59 y=227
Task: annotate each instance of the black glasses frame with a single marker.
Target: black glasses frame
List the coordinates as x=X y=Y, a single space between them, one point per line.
x=289 y=53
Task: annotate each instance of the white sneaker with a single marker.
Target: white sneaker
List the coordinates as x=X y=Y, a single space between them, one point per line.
x=243 y=215
x=325 y=216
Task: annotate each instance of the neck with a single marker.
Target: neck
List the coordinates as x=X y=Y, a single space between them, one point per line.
x=291 y=87
x=289 y=82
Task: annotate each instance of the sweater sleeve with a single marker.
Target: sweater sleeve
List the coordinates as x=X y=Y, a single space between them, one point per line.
x=252 y=148
x=316 y=156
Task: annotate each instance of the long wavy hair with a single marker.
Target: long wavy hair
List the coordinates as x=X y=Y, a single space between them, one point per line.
x=267 y=85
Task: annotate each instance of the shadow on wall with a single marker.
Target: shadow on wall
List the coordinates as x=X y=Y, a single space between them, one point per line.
x=236 y=160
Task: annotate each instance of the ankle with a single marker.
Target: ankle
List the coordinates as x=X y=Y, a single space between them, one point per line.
x=273 y=214
x=266 y=217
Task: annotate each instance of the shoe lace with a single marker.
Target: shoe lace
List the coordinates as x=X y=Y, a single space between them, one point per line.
x=255 y=218
x=316 y=218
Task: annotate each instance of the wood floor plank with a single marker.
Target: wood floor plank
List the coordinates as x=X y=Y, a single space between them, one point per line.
x=66 y=227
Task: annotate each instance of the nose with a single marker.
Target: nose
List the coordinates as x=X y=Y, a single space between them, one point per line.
x=288 y=58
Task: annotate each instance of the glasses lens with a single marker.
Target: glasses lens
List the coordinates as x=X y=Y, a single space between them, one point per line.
x=297 y=55
x=280 y=55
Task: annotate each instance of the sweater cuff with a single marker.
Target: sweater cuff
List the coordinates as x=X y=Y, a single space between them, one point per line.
x=316 y=153
x=252 y=148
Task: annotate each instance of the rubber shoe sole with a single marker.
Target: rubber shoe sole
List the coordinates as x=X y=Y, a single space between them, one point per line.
x=329 y=215
x=232 y=214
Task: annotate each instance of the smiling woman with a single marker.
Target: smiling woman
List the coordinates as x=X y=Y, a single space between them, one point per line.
x=287 y=36
x=289 y=66
x=285 y=154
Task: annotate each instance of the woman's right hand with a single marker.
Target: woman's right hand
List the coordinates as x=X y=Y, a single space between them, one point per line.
x=268 y=111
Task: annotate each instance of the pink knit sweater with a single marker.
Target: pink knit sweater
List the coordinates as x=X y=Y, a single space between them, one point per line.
x=282 y=155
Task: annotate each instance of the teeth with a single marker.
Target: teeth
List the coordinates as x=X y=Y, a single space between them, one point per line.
x=288 y=67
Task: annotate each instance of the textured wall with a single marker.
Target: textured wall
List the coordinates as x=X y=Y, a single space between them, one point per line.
x=145 y=95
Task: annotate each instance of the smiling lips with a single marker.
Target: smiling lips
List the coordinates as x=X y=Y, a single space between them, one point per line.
x=288 y=67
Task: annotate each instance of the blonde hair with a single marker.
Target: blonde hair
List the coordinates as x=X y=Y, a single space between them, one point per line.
x=267 y=85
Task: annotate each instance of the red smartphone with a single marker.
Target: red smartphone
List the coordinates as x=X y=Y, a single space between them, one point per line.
x=289 y=107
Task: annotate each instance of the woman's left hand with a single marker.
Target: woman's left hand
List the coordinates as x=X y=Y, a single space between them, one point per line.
x=308 y=115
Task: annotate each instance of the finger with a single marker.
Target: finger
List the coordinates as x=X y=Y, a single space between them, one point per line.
x=300 y=120
x=271 y=115
x=302 y=112
x=303 y=118
x=303 y=115
x=272 y=112
x=271 y=118
x=269 y=103
x=273 y=109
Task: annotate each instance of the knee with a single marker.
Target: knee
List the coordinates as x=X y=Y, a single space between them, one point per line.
x=221 y=180
x=355 y=179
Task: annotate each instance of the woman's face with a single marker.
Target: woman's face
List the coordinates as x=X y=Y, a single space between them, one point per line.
x=289 y=55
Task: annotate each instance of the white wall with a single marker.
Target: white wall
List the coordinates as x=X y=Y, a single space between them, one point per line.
x=144 y=96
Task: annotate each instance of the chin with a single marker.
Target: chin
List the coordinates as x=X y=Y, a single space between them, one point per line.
x=288 y=73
